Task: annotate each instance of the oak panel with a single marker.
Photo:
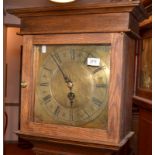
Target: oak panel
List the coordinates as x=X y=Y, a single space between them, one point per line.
x=75 y=23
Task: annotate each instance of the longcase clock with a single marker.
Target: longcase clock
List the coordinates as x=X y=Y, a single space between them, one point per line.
x=78 y=75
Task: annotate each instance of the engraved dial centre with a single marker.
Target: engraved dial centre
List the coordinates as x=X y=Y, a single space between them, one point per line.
x=81 y=80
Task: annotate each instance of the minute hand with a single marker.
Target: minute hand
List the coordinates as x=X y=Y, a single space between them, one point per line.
x=67 y=80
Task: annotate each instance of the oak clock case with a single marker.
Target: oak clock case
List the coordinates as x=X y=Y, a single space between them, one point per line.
x=68 y=103
x=72 y=85
x=75 y=86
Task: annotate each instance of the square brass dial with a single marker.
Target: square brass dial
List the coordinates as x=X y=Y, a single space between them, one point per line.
x=72 y=84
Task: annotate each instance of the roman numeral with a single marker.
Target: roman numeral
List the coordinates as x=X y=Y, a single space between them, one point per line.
x=44 y=84
x=86 y=113
x=47 y=98
x=56 y=55
x=96 y=101
x=57 y=111
x=101 y=85
x=98 y=69
x=48 y=69
x=72 y=53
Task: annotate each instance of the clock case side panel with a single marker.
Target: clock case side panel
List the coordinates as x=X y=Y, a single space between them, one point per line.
x=95 y=137
x=121 y=87
x=129 y=49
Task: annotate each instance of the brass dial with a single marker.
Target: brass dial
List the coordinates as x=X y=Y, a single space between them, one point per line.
x=69 y=90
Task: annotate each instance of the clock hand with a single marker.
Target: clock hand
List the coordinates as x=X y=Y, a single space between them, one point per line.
x=70 y=95
x=67 y=80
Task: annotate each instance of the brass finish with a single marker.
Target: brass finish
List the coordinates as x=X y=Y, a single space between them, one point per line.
x=69 y=91
x=24 y=84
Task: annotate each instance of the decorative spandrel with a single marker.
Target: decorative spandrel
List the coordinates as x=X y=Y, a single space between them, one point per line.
x=72 y=84
x=145 y=81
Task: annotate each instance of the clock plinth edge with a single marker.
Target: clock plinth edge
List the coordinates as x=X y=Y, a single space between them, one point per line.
x=38 y=140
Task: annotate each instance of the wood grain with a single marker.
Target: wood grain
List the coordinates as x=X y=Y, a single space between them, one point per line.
x=145 y=133
x=128 y=88
x=76 y=23
x=146 y=34
x=26 y=76
x=81 y=7
x=111 y=136
x=96 y=16
x=89 y=38
x=92 y=23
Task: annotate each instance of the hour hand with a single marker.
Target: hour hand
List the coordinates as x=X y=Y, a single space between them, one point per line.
x=67 y=80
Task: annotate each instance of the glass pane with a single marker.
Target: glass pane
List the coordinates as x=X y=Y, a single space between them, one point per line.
x=146 y=65
x=72 y=85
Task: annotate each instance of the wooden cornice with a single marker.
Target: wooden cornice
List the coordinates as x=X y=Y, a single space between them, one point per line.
x=95 y=7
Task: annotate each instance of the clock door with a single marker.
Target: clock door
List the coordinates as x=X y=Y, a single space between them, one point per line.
x=75 y=85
